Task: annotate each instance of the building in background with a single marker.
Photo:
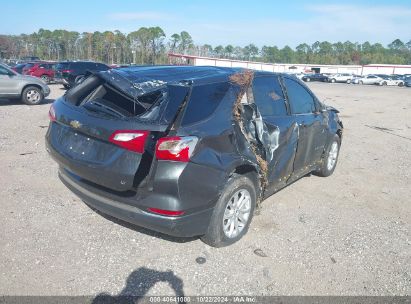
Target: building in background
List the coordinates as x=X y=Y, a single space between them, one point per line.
x=178 y=59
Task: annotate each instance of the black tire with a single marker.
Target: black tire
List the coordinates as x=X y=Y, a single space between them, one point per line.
x=401 y=84
x=384 y=83
x=325 y=170
x=215 y=235
x=332 y=80
x=45 y=78
x=349 y=81
x=361 y=82
x=32 y=95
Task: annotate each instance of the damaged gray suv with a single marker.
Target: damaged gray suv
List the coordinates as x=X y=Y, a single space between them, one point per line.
x=189 y=151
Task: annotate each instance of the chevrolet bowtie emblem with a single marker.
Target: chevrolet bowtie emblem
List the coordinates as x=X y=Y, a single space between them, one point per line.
x=75 y=124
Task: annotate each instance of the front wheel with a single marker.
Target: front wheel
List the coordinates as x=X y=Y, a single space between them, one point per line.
x=232 y=214
x=32 y=95
x=401 y=84
x=329 y=161
x=349 y=81
x=332 y=80
x=307 y=79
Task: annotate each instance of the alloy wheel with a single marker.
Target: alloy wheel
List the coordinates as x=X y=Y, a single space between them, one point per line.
x=332 y=156
x=33 y=96
x=237 y=213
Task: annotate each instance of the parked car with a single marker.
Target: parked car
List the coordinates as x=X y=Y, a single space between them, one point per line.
x=18 y=68
x=407 y=81
x=69 y=73
x=340 y=77
x=391 y=81
x=356 y=78
x=315 y=77
x=189 y=151
x=43 y=70
x=29 y=89
x=370 y=79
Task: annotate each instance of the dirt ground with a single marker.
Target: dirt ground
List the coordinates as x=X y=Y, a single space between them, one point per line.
x=348 y=234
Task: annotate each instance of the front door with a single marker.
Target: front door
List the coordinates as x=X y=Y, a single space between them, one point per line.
x=311 y=126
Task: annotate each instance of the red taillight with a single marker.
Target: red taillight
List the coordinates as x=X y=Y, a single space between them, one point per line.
x=52 y=113
x=176 y=148
x=130 y=139
x=166 y=212
x=67 y=71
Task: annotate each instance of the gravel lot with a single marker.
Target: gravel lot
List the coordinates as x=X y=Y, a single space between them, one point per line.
x=349 y=234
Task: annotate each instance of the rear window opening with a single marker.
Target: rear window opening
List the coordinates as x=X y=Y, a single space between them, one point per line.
x=97 y=95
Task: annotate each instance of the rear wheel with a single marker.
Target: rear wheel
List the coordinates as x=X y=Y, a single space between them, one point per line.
x=384 y=83
x=232 y=214
x=32 y=95
x=329 y=161
x=361 y=82
x=349 y=81
x=401 y=84
x=332 y=80
x=45 y=78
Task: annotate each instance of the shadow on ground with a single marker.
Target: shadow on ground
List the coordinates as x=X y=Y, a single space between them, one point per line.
x=144 y=230
x=139 y=282
x=17 y=102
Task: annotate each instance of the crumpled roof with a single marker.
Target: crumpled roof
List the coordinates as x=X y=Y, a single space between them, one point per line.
x=140 y=80
x=171 y=74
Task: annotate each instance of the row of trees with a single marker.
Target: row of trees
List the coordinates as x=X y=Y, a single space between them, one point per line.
x=149 y=45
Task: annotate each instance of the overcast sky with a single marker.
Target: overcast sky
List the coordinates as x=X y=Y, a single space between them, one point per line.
x=220 y=22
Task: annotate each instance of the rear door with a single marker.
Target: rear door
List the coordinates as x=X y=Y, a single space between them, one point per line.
x=311 y=126
x=281 y=129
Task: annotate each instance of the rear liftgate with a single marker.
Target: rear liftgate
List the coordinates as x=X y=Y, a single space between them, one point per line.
x=108 y=135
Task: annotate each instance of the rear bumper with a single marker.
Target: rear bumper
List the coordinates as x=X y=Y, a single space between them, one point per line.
x=190 y=225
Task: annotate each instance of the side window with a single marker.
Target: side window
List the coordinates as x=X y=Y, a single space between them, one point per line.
x=204 y=101
x=268 y=96
x=300 y=99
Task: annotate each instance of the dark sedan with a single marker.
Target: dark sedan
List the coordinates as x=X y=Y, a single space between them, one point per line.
x=315 y=77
